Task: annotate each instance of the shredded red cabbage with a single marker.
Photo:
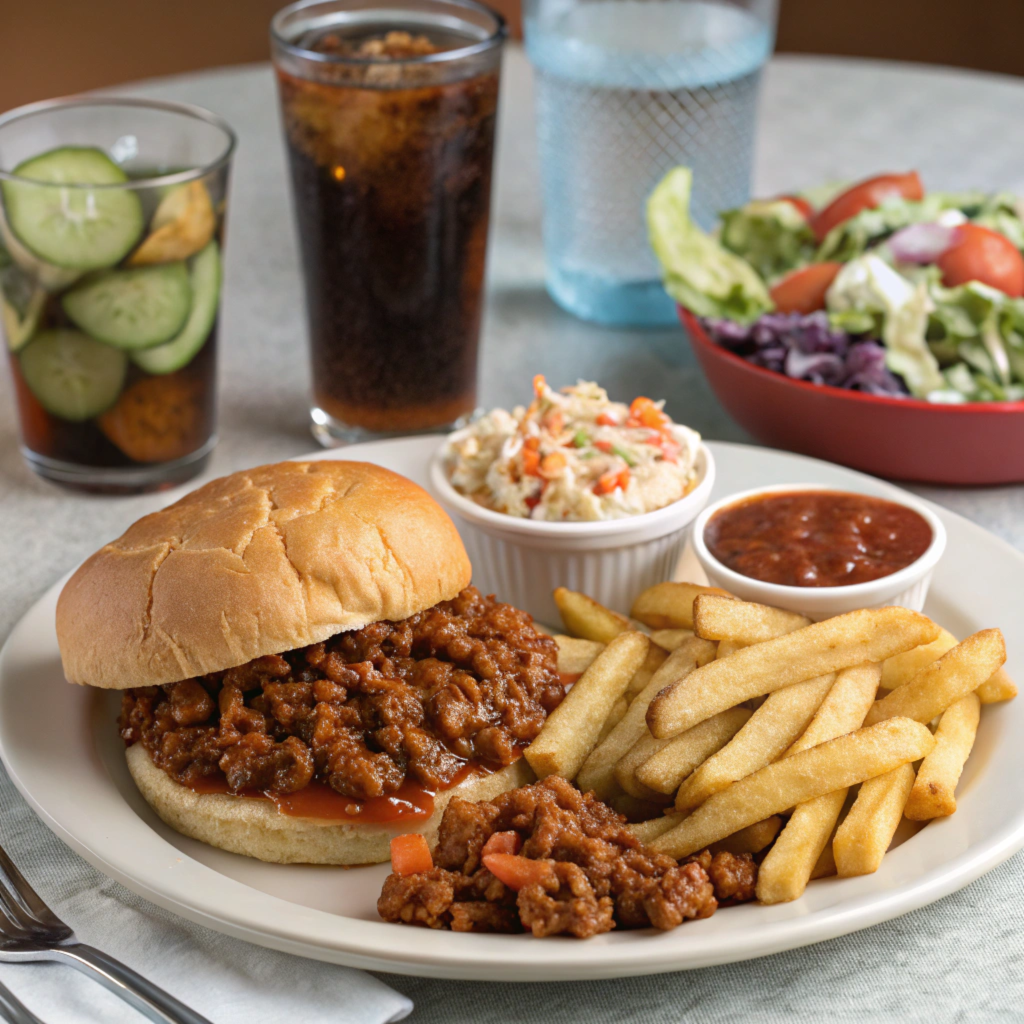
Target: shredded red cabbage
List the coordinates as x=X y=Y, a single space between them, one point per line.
x=806 y=347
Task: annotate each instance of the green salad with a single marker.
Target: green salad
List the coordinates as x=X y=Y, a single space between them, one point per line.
x=879 y=286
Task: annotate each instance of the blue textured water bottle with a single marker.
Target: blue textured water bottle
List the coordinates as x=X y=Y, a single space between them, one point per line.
x=626 y=90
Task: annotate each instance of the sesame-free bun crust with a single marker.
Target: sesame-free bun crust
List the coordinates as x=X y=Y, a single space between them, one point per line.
x=256 y=828
x=259 y=562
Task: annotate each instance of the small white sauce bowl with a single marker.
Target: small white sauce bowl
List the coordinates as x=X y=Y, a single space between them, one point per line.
x=522 y=561
x=908 y=587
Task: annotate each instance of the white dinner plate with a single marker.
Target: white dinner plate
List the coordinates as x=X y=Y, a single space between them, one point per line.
x=61 y=748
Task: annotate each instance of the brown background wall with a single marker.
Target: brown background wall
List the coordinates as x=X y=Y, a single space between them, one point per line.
x=59 y=46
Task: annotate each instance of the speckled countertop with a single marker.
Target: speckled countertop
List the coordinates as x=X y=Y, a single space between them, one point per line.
x=822 y=119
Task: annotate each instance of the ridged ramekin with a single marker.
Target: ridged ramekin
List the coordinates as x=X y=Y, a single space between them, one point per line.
x=908 y=587
x=522 y=561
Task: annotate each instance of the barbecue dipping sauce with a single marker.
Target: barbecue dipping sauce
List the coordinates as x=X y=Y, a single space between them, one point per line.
x=817 y=538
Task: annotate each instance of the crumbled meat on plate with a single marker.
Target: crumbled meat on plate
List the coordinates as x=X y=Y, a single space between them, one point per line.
x=601 y=876
x=469 y=679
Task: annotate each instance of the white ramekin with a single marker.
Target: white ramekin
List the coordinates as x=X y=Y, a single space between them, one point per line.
x=907 y=588
x=522 y=561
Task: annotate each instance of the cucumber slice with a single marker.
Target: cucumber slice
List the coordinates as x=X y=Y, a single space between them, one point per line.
x=21 y=305
x=75 y=227
x=73 y=376
x=205 y=277
x=132 y=309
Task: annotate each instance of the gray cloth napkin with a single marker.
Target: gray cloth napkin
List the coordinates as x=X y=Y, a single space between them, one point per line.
x=225 y=979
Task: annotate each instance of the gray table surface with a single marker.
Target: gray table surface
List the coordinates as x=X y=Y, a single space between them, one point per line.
x=822 y=119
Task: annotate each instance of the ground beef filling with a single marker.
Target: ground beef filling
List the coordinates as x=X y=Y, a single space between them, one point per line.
x=467 y=680
x=602 y=876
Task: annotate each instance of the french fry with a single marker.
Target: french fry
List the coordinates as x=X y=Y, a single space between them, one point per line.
x=791 y=862
x=598 y=771
x=998 y=687
x=727 y=647
x=752 y=839
x=789 y=866
x=933 y=795
x=722 y=618
x=584 y=617
x=834 y=764
x=656 y=657
x=843 y=708
x=958 y=672
x=574 y=655
x=867 y=830
x=826 y=864
x=619 y=708
x=669 y=605
x=815 y=650
x=571 y=730
x=771 y=729
x=672 y=760
x=670 y=639
x=648 y=831
x=626 y=766
x=903 y=667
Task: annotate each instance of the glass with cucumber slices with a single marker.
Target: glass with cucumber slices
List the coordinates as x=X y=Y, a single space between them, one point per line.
x=111 y=247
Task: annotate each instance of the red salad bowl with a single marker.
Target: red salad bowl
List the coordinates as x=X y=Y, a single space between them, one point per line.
x=899 y=438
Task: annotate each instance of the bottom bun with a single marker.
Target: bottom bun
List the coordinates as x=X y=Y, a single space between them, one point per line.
x=256 y=828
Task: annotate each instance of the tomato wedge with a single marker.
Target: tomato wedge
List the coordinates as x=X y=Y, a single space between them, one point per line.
x=502 y=842
x=800 y=203
x=410 y=854
x=803 y=291
x=865 y=196
x=518 y=872
x=980 y=254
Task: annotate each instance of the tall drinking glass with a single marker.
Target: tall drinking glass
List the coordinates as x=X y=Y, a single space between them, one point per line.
x=111 y=233
x=626 y=90
x=389 y=113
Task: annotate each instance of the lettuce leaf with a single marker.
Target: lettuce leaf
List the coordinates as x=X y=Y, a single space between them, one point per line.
x=771 y=235
x=698 y=272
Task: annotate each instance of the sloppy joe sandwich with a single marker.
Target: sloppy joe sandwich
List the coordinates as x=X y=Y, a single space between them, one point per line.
x=306 y=670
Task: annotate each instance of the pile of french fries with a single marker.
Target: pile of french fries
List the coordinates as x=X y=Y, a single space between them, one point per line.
x=713 y=722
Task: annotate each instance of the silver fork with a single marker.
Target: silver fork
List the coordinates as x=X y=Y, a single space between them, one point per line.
x=30 y=930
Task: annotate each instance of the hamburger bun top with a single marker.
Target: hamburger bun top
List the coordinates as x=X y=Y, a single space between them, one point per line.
x=259 y=562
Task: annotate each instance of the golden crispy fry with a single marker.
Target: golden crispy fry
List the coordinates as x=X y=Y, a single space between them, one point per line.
x=997 y=688
x=722 y=618
x=589 y=619
x=903 y=667
x=867 y=830
x=727 y=647
x=752 y=839
x=834 y=764
x=626 y=766
x=598 y=772
x=669 y=605
x=648 y=831
x=670 y=639
x=770 y=731
x=933 y=795
x=572 y=729
x=619 y=708
x=574 y=655
x=843 y=708
x=656 y=657
x=826 y=865
x=957 y=673
x=669 y=761
x=815 y=650
x=635 y=810
x=791 y=863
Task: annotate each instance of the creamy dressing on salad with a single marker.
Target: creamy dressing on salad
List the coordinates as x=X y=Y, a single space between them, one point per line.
x=574 y=456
